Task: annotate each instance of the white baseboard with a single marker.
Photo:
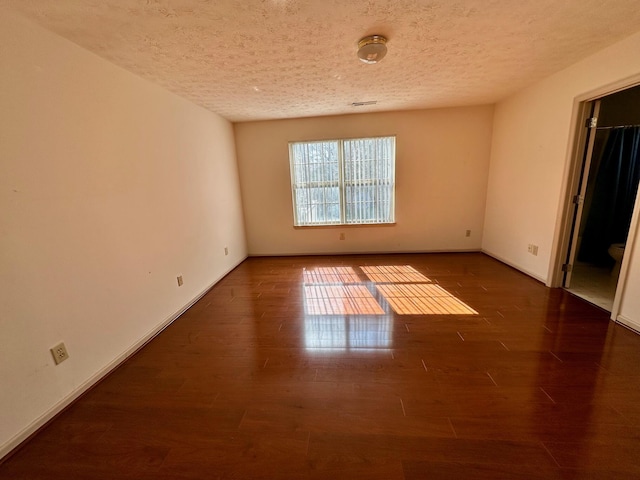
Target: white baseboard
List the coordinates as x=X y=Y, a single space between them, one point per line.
x=513 y=265
x=367 y=252
x=630 y=324
x=47 y=416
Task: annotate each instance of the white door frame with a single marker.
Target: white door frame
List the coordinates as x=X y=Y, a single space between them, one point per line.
x=577 y=164
x=577 y=143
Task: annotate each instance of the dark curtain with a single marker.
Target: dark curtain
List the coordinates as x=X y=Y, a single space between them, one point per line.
x=616 y=179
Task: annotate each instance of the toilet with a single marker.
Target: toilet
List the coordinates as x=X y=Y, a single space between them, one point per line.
x=616 y=251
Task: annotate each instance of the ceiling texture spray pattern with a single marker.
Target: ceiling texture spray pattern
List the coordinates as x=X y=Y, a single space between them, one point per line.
x=266 y=59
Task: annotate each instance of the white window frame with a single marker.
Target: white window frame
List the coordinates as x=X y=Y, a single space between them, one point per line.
x=342 y=185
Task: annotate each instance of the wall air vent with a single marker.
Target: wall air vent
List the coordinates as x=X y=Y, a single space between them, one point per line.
x=364 y=104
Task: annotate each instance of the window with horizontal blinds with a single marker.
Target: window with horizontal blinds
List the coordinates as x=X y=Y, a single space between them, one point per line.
x=340 y=182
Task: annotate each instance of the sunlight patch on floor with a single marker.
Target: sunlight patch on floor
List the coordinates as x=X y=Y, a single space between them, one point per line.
x=340 y=300
x=423 y=299
x=394 y=274
x=331 y=275
x=339 y=291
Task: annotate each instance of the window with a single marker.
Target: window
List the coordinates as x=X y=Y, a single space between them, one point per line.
x=343 y=182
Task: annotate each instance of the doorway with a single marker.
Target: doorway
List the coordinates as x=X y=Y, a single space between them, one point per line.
x=607 y=189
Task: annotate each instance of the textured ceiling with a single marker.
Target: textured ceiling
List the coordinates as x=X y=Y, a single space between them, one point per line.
x=265 y=59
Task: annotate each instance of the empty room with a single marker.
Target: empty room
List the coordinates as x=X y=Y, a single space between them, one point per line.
x=285 y=239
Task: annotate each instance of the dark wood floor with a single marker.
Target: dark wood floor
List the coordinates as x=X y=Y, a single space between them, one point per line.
x=538 y=385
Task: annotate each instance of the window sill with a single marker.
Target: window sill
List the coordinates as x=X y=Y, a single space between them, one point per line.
x=344 y=225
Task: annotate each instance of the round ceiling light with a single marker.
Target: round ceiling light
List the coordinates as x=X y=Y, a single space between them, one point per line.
x=372 y=49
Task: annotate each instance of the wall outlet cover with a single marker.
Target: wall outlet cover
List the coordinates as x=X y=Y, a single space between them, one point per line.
x=59 y=353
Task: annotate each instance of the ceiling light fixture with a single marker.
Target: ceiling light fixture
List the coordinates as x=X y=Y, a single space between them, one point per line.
x=372 y=49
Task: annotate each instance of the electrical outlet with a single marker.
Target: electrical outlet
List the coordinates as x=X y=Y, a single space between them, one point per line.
x=468 y=233
x=180 y=282
x=532 y=249
x=342 y=236
x=226 y=250
x=59 y=353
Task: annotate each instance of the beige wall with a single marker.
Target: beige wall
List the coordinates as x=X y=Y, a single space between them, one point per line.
x=532 y=139
x=110 y=187
x=441 y=172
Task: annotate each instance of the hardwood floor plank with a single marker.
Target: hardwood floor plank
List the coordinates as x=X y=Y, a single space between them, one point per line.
x=424 y=470
x=380 y=448
x=246 y=385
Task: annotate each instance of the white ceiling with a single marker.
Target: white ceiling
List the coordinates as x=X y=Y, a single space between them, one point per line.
x=266 y=59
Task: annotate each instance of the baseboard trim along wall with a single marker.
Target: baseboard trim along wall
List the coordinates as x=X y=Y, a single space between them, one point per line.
x=367 y=252
x=517 y=267
x=49 y=415
x=628 y=323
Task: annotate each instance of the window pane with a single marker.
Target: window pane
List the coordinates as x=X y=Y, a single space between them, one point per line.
x=315 y=182
x=369 y=180
x=358 y=172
